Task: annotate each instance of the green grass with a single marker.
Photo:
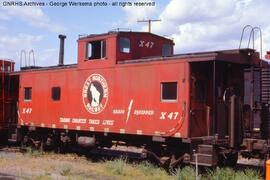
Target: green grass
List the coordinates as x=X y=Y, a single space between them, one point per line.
x=33 y=152
x=230 y=174
x=144 y=170
x=72 y=166
x=186 y=173
x=122 y=169
x=117 y=166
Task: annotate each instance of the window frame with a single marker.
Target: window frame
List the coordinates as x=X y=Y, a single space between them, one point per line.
x=28 y=94
x=103 y=50
x=162 y=89
x=119 y=45
x=170 y=49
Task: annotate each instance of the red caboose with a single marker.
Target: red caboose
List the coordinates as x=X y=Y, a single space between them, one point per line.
x=129 y=90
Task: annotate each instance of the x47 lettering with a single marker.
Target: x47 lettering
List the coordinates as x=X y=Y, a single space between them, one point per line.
x=169 y=115
x=147 y=44
x=27 y=110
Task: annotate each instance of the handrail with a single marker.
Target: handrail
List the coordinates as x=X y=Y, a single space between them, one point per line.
x=251 y=35
x=252 y=32
x=21 y=56
x=243 y=31
x=29 y=57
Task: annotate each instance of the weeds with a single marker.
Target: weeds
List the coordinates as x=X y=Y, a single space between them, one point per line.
x=186 y=173
x=43 y=177
x=117 y=166
x=147 y=168
x=33 y=152
x=65 y=171
x=230 y=174
x=251 y=174
x=46 y=166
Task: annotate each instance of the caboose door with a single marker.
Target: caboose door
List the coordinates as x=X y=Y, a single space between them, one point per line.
x=200 y=83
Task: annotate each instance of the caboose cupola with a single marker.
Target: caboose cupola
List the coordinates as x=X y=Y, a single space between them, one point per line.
x=138 y=45
x=108 y=49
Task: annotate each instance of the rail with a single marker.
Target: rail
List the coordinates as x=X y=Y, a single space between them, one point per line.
x=30 y=62
x=251 y=35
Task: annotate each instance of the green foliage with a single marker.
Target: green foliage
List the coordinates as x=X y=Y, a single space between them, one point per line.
x=218 y=174
x=147 y=168
x=187 y=173
x=33 y=152
x=117 y=166
x=230 y=174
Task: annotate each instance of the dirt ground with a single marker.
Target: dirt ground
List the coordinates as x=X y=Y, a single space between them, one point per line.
x=33 y=165
x=38 y=165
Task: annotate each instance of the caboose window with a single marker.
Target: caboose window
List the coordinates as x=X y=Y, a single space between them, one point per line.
x=169 y=91
x=27 y=93
x=96 y=50
x=124 y=45
x=166 y=50
x=56 y=93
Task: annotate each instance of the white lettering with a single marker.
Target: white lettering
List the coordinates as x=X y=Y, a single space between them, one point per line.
x=118 y=111
x=64 y=120
x=163 y=114
x=169 y=115
x=144 y=112
x=26 y=110
x=94 y=121
x=146 y=44
x=78 y=120
x=107 y=122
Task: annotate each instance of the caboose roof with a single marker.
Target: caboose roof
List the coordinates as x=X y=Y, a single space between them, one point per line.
x=238 y=56
x=116 y=33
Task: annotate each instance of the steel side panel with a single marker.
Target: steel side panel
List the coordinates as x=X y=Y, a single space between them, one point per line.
x=133 y=105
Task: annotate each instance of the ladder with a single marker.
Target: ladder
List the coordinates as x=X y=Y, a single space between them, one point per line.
x=265 y=99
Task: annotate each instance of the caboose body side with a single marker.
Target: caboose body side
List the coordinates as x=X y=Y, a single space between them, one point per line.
x=131 y=101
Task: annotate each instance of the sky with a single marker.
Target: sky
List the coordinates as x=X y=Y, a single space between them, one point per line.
x=194 y=25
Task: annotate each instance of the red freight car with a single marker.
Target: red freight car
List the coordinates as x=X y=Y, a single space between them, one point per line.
x=130 y=94
x=7 y=108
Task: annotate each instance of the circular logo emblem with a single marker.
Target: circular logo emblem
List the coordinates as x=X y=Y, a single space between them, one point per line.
x=95 y=93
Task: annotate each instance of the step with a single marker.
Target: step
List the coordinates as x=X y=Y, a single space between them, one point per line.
x=132 y=152
x=204 y=160
x=205 y=149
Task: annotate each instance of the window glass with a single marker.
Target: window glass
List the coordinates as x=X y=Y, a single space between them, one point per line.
x=124 y=45
x=169 y=91
x=96 y=50
x=56 y=93
x=28 y=93
x=166 y=50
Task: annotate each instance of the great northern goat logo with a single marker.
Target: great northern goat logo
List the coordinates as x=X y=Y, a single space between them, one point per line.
x=95 y=93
